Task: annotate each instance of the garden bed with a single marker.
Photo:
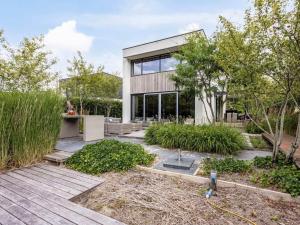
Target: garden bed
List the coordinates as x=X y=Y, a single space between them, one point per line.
x=138 y=197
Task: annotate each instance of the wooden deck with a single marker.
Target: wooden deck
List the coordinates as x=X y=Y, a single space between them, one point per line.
x=41 y=194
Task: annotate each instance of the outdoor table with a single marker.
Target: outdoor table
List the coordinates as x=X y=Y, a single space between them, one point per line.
x=93 y=127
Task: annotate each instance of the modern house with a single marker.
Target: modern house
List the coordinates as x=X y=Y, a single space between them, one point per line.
x=148 y=92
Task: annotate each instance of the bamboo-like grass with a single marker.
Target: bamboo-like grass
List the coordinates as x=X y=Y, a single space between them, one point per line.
x=29 y=127
x=206 y=138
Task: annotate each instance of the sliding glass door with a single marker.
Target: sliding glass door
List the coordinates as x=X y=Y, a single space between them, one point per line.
x=152 y=107
x=155 y=107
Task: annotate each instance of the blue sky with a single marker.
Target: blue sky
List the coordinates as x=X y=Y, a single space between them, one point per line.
x=101 y=29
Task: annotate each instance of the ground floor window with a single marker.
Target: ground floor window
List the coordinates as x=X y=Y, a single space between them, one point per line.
x=169 y=106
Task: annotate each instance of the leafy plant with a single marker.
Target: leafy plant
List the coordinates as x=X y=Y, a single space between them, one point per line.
x=266 y=162
x=109 y=155
x=227 y=165
x=30 y=123
x=205 y=138
x=251 y=128
x=259 y=142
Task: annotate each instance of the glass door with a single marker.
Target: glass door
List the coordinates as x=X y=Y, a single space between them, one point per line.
x=151 y=107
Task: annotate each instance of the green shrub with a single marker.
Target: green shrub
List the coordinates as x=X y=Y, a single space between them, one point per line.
x=106 y=107
x=266 y=162
x=251 y=128
x=109 y=155
x=30 y=123
x=227 y=165
x=205 y=138
x=259 y=142
x=286 y=178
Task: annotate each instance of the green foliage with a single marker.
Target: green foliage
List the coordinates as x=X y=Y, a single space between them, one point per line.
x=86 y=81
x=286 y=178
x=251 y=128
x=266 y=162
x=205 y=138
x=27 y=67
x=109 y=155
x=92 y=106
x=227 y=165
x=200 y=75
x=259 y=142
x=30 y=123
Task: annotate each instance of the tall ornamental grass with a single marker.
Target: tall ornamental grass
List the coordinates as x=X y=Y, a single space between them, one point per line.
x=30 y=124
x=205 y=138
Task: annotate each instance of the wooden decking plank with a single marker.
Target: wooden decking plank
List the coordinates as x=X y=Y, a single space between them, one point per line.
x=48 y=182
x=69 y=175
x=51 y=206
x=8 y=219
x=21 y=213
x=31 y=206
x=58 y=180
x=82 y=183
x=69 y=172
x=44 y=186
x=61 y=201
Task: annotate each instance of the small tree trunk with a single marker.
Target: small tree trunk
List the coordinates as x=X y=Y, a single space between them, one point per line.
x=295 y=143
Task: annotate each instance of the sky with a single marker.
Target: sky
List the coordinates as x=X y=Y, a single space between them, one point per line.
x=100 y=29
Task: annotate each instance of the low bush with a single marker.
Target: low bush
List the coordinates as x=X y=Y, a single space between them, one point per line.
x=259 y=142
x=205 y=138
x=286 y=178
x=30 y=124
x=227 y=165
x=251 y=128
x=109 y=155
x=266 y=162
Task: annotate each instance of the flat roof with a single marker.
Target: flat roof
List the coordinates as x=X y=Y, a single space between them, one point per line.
x=178 y=35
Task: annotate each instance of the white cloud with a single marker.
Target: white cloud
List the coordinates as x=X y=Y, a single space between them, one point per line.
x=189 y=28
x=64 y=41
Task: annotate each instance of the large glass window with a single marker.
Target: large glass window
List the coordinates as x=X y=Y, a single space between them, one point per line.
x=137 y=107
x=151 y=107
x=150 y=66
x=168 y=63
x=186 y=105
x=168 y=106
x=154 y=65
x=137 y=68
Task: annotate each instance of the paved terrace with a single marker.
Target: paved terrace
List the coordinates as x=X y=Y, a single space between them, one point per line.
x=41 y=195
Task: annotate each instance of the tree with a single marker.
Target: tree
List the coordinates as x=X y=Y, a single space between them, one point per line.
x=27 y=67
x=86 y=81
x=199 y=74
x=266 y=50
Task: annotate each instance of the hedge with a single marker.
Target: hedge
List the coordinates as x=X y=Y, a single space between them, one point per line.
x=106 y=107
x=206 y=138
x=30 y=124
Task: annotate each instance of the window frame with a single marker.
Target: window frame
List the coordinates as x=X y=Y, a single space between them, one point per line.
x=147 y=59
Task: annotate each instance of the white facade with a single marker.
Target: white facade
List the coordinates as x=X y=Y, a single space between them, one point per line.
x=143 y=83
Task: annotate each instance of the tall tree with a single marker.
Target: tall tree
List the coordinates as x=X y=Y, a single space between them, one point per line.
x=87 y=81
x=267 y=49
x=199 y=74
x=27 y=67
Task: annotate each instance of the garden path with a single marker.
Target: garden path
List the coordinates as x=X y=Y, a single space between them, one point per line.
x=41 y=194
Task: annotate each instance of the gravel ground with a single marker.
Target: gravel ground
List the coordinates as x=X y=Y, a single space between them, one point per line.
x=139 y=197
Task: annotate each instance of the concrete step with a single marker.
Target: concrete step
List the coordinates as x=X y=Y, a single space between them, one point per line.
x=58 y=156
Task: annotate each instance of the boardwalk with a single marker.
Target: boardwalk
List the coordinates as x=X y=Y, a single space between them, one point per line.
x=41 y=194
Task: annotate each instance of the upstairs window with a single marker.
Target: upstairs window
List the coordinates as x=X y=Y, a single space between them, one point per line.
x=137 y=68
x=154 y=65
x=168 y=63
x=150 y=66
